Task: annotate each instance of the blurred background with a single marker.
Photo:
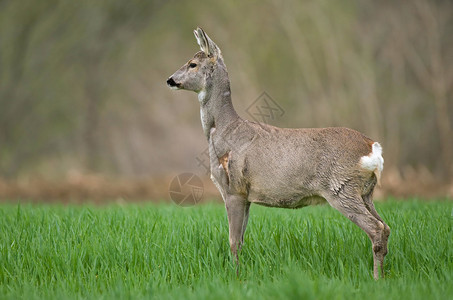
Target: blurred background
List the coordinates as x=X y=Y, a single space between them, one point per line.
x=85 y=113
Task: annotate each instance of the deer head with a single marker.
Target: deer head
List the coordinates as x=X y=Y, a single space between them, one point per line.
x=196 y=74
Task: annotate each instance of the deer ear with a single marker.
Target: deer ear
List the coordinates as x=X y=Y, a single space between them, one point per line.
x=201 y=40
x=206 y=44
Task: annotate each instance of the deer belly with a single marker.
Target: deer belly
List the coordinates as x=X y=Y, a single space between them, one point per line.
x=291 y=202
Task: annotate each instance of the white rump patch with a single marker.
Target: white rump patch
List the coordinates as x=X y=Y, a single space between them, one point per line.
x=374 y=161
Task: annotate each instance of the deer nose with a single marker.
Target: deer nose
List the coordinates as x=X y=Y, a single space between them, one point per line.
x=171 y=82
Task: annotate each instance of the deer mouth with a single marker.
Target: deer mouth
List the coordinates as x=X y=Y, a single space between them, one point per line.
x=173 y=84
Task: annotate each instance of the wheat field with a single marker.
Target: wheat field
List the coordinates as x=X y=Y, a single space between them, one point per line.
x=169 y=252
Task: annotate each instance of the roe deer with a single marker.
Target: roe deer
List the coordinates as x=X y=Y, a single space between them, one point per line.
x=280 y=167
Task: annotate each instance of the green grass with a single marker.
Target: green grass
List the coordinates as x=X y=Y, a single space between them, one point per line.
x=165 y=251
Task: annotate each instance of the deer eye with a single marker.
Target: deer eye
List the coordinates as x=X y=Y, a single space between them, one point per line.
x=192 y=65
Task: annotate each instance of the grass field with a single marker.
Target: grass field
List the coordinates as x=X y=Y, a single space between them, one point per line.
x=167 y=252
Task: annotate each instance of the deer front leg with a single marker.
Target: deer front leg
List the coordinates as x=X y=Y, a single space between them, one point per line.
x=246 y=219
x=219 y=175
x=237 y=210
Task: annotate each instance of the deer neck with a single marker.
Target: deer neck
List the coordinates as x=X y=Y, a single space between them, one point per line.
x=216 y=107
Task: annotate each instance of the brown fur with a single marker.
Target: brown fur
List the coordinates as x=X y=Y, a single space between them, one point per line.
x=280 y=167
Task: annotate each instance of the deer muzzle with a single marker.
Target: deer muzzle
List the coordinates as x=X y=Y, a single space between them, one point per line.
x=172 y=83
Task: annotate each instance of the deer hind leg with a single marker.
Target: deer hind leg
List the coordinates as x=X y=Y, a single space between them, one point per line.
x=354 y=208
x=367 y=199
